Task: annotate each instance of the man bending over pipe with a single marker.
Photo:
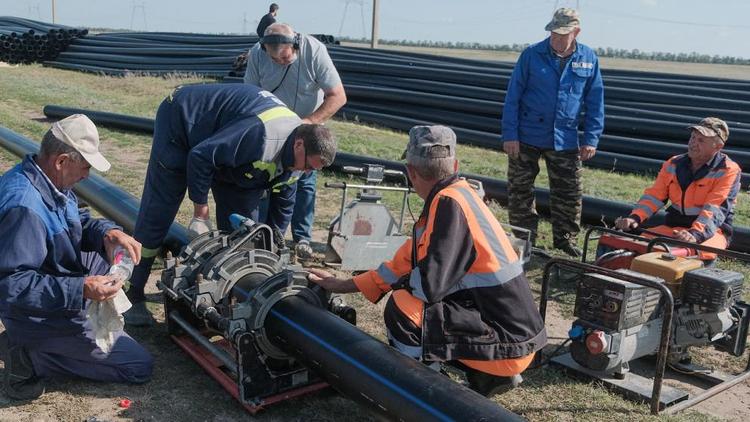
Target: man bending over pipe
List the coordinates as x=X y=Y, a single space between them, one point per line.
x=53 y=261
x=238 y=141
x=702 y=187
x=459 y=291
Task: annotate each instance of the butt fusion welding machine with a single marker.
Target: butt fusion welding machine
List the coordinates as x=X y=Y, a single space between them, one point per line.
x=218 y=293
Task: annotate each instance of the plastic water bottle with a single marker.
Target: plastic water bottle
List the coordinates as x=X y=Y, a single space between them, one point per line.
x=122 y=265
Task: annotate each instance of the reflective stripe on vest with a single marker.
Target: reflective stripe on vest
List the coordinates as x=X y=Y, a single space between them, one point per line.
x=510 y=267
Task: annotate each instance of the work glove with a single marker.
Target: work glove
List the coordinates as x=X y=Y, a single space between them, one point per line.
x=198 y=226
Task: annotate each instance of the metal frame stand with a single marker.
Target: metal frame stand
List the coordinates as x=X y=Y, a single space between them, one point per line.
x=664 y=399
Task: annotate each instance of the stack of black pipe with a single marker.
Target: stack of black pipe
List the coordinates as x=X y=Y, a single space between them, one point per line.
x=27 y=41
x=646 y=112
x=154 y=53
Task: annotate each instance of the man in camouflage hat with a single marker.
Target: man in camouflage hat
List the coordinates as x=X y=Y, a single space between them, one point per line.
x=701 y=186
x=460 y=294
x=553 y=81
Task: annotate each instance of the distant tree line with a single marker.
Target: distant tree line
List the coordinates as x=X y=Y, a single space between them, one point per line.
x=602 y=52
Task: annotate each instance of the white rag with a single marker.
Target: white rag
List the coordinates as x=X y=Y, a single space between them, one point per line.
x=106 y=319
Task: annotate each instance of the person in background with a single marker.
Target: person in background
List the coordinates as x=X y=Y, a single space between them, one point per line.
x=267 y=19
x=552 y=83
x=298 y=70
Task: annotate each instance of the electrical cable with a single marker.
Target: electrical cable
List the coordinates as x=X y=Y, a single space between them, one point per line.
x=550 y=356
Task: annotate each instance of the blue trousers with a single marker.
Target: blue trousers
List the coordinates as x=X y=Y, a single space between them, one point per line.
x=304 y=207
x=77 y=355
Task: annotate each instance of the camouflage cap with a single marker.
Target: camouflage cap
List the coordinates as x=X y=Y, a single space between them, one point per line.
x=422 y=139
x=712 y=126
x=564 y=21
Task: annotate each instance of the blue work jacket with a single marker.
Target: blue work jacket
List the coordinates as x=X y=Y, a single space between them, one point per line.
x=235 y=134
x=543 y=104
x=42 y=234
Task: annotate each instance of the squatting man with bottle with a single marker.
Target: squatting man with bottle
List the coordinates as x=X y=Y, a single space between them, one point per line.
x=53 y=262
x=459 y=292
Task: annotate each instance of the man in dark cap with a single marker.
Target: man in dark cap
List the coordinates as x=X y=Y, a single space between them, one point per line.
x=702 y=187
x=553 y=81
x=460 y=294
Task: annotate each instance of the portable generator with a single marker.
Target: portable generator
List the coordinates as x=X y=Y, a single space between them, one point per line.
x=618 y=321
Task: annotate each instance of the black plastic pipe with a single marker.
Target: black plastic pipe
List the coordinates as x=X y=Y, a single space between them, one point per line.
x=118 y=205
x=391 y=383
x=119 y=121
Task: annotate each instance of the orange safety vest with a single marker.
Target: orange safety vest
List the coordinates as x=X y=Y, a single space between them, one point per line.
x=484 y=312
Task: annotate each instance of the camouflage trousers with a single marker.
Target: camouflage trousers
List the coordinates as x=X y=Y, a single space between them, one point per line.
x=564 y=170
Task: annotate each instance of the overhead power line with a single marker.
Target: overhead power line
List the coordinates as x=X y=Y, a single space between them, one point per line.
x=660 y=20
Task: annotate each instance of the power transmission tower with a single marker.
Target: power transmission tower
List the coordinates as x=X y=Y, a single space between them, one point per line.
x=142 y=7
x=362 y=14
x=33 y=9
x=244 y=23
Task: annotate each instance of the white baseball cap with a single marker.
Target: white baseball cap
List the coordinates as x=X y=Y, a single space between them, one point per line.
x=79 y=132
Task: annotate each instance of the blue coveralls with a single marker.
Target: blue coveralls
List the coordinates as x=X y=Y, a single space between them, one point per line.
x=48 y=246
x=542 y=110
x=232 y=139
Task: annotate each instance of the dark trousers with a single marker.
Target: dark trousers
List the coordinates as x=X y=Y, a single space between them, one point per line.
x=77 y=355
x=564 y=170
x=163 y=193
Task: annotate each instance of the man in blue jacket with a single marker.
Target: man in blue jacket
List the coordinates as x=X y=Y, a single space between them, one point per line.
x=53 y=260
x=554 y=83
x=236 y=140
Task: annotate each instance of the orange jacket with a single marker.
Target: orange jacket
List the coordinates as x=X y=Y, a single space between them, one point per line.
x=476 y=300
x=702 y=201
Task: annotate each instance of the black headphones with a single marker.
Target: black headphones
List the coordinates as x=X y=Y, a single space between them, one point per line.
x=280 y=39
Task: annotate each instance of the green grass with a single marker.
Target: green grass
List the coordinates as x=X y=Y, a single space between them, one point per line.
x=548 y=395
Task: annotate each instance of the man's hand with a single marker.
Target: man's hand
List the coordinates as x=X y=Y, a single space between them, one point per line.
x=330 y=283
x=626 y=223
x=100 y=287
x=307 y=121
x=512 y=148
x=587 y=151
x=115 y=238
x=684 y=235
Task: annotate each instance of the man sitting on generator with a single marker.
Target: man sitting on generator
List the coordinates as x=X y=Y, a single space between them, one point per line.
x=460 y=294
x=702 y=187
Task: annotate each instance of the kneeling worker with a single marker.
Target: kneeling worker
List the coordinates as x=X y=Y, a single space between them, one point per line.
x=459 y=291
x=53 y=261
x=702 y=187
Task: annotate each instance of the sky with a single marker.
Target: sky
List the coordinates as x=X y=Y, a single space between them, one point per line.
x=679 y=26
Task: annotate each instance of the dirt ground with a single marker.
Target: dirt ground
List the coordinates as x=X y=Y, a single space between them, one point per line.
x=181 y=391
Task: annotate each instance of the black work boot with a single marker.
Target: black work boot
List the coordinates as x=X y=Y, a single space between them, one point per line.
x=488 y=385
x=570 y=249
x=21 y=383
